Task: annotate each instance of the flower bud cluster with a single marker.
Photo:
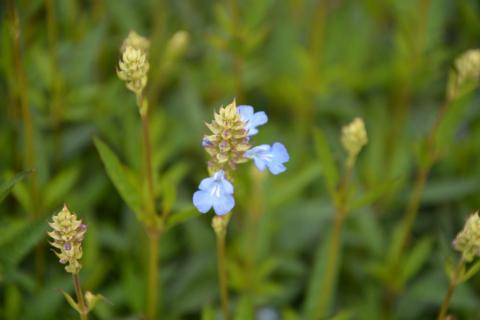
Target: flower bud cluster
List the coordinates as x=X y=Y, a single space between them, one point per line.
x=229 y=140
x=354 y=138
x=67 y=234
x=468 y=240
x=133 y=69
x=136 y=41
x=466 y=71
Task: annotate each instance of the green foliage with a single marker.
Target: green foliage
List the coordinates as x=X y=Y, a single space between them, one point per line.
x=312 y=66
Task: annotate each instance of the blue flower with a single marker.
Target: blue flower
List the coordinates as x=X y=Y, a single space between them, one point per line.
x=252 y=119
x=216 y=192
x=271 y=157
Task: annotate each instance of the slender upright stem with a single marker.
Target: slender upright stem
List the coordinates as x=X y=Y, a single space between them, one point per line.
x=153 y=230
x=56 y=85
x=30 y=157
x=334 y=248
x=222 y=275
x=153 y=266
x=80 y=300
x=451 y=288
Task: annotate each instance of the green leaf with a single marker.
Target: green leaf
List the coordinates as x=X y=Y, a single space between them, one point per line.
x=7 y=186
x=71 y=301
x=20 y=243
x=415 y=260
x=470 y=272
x=181 y=217
x=120 y=177
x=374 y=194
x=59 y=186
x=325 y=157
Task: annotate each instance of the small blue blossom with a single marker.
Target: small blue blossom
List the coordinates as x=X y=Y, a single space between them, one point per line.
x=252 y=119
x=271 y=157
x=216 y=192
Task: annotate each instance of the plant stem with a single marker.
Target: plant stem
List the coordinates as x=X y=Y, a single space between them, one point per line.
x=334 y=248
x=56 y=83
x=151 y=223
x=451 y=288
x=30 y=157
x=81 y=302
x=222 y=275
x=153 y=264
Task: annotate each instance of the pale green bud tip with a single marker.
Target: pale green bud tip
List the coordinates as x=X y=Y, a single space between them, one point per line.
x=354 y=137
x=136 y=41
x=133 y=69
x=178 y=43
x=468 y=240
x=67 y=234
x=466 y=70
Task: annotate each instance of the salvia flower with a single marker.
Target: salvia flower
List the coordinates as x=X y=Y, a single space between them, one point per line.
x=272 y=157
x=216 y=192
x=252 y=119
x=229 y=145
x=468 y=240
x=67 y=234
x=354 y=138
x=133 y=69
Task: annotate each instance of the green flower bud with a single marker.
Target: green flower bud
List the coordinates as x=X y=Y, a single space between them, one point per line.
x=136 y=41
x=133 y=69
x=465 y=73
x=354 y=138
x=67 y=234
x=468 y=240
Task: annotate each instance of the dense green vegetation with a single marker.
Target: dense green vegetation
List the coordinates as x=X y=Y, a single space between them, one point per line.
x=323 y=240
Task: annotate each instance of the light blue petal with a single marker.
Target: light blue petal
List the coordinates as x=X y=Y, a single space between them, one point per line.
x=260 y=163
x=257 y=151
x=206 y=184
x=203 y=201
x=276 y=167
x=246 y=112
x=224 y=204
x=280 y=152
x=259 y=118
x=227 y=186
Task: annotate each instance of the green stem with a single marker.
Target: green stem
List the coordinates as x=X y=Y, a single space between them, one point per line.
x=56 y=85
x=30 y=157
x=334 y=244
x=222 y=274
x=80 y=300
x=151 y=223
x=153 y=266
x=451 y=288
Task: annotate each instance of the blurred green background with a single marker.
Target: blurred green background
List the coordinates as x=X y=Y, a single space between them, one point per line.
x=308 y=64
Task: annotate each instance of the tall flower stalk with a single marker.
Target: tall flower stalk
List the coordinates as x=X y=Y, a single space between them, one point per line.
x=133 y=69
x=465 y=75
x=67 y=236
x=229 y=145
x=354 y=138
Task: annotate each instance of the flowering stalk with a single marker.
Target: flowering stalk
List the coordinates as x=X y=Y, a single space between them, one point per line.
x=354 y=138
x=228 y=146
x=68 y=233
x=466 y=72
x=451 y=288
x=133 y=69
